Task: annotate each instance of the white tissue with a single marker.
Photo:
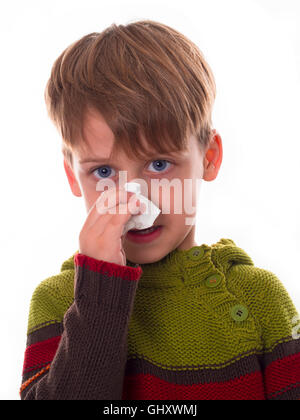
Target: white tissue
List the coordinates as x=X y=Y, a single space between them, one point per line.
x=145 y=220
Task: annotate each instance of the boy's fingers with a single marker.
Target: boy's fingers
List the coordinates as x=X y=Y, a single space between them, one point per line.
x=116 y=225
x=110 y=204
x=118 y=216
x=106 y=202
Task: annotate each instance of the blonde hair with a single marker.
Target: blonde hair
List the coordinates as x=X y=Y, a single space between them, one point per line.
x=145 y=79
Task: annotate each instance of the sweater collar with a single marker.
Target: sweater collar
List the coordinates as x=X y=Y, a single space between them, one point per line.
x=181 y=268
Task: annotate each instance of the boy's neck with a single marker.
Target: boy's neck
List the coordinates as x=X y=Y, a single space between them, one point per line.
x=189 y=240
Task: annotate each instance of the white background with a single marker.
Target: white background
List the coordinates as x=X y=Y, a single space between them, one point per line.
x=253 y=49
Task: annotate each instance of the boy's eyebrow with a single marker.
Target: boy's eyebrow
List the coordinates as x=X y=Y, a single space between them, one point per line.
x=93 y=159
x=104 y=160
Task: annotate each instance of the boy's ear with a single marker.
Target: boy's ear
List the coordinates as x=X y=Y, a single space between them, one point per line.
x=72 y=180
x=213 y=157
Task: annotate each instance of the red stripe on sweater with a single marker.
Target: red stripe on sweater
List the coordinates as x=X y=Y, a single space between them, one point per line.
x=149 y=387
x=41 y=353
x=125 y=271
x=282 y=375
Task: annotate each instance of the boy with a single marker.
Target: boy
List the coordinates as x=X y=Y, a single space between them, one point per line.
x=150 y=315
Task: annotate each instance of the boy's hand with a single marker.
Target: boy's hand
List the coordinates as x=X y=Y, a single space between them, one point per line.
x=101 y=234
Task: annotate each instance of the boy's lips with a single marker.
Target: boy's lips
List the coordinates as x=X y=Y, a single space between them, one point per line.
x=135 y=235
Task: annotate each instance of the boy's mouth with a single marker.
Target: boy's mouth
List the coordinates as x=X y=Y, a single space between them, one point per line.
x=145 y=235
x=142 y=231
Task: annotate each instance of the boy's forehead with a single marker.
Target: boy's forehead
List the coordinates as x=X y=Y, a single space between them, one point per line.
x=97 y=134
x=105 y=151
x=99 y=141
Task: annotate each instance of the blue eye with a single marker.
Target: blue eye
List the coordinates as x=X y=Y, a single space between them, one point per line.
x=103 y=171
x=160 y=164
x=106 y=171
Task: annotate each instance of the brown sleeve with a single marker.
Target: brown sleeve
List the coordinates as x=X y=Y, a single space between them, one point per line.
x=89 y=363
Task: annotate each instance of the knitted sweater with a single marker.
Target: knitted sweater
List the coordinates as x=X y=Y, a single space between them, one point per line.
x=200 y=324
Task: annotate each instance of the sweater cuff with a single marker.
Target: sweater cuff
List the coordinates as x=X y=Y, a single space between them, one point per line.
x=104 y=283
x=110 y=268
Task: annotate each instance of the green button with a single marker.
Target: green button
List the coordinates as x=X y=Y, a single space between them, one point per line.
x=196 y=253
x=213 y=281
x=239 y=313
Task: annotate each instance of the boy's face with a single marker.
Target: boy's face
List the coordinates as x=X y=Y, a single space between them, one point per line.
x=188 y=168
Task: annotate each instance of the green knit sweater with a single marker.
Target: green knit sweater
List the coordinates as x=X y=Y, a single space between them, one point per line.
x=203 y=323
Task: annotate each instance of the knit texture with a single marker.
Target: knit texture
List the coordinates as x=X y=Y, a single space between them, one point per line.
x=203 y=324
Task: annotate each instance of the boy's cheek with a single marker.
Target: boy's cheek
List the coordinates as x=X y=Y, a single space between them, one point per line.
x=181 y=199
